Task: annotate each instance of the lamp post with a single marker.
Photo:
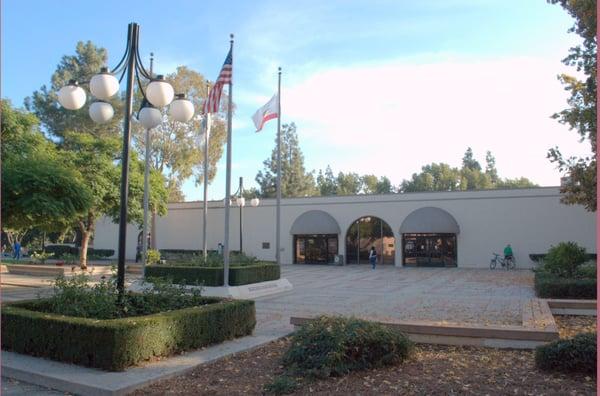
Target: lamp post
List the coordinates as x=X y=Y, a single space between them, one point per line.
x=103 y=86
x=241 y=202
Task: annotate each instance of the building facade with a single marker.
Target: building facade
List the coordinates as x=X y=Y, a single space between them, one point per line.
x=446 y=229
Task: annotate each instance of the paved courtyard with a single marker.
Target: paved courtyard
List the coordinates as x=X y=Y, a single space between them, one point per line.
x=388 y=293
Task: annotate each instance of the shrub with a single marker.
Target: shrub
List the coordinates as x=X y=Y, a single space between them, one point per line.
x=213 y=276
x=119 y=343
x=152 y=256
x=586 y=271
x=564 y=258
x=281 y=385
x=332 y=346
x=551 y=286
x=577 y=354
x=41 y=256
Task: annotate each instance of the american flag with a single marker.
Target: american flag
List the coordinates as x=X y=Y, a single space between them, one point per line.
x=211 y=105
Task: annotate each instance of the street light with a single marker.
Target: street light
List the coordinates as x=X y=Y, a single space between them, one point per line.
x=241 y=202
x=105 y=85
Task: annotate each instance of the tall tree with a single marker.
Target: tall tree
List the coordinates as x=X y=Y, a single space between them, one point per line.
x=295 y=180
x=490 y=167
x=326 y=182
x=349 y=183
x=581 y=114
x=469 y=161
x=433 y=177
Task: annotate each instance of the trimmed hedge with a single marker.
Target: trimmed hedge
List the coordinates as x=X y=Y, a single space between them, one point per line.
x=119 y=343
x=552 y=286
x=539 y=257
x=213 y=276
x=577 y=354
x=60 y=250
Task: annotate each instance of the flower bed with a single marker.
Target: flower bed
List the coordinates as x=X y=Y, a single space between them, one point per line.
x=213 y=276
x=115 y=344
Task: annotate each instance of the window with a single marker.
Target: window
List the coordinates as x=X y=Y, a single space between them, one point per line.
x=266 y=245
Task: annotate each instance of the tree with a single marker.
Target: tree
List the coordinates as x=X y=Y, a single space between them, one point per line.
x=581 y=114
x=384 y=186
x=326 y=182
x=521 y=182
x=349 y=183
x=39 y=190
x=469 y=162
x=295 y=180
x=369 y=183
x=490 y=167
x=433 y=177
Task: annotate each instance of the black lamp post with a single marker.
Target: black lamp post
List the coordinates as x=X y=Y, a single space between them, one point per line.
x=103 y=86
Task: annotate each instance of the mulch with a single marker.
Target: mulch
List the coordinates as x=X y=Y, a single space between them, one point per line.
x=432 y=370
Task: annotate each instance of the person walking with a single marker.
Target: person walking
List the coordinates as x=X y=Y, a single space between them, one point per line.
x=17 y=252
x=373 y=257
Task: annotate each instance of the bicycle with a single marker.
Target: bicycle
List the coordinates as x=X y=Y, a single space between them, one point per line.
x=509 y=262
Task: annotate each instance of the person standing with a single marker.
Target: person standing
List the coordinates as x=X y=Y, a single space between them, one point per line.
x=17 y=253
x=508 y=253
x=373 y=257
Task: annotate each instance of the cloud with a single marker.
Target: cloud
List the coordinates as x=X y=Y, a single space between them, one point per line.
x=392 y=118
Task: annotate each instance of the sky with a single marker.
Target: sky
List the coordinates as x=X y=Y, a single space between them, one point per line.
x=374 y=86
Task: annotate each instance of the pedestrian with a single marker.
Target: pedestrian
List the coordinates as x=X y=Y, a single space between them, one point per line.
x=373 y=257
x=17 y=252
x=508 y=252
x=220 y=248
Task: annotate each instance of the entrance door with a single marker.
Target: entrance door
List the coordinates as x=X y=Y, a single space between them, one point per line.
x=315 y=249
x=429 y=250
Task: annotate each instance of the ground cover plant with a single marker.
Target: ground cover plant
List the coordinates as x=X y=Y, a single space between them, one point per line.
x=575 y=354
x=565 y=274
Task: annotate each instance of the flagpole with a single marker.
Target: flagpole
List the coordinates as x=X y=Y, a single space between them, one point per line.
x=205 y=208
x=228 y=174
x=278 y=227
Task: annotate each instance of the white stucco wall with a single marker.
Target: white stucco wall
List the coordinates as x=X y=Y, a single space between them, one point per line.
x=531 y=220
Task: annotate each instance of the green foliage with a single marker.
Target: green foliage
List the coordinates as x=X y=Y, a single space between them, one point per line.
x=295 y=181
x=152 y=256
x=334 y=346
x=586 y=271
x=70 y=259
x=564 y=259
x=469 y=162
x=281 y=385
x=213 y=276
x=580 y=116
x=41 y=256
x=576 y=354
x=552 y=286
x=120 y=343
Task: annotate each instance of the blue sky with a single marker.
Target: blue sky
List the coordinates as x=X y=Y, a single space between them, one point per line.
x=379 y=87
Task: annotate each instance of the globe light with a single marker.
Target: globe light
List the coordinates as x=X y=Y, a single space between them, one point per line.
x=241 y=201
x=181 y=109
x=72 y=96
x=254 y=202
x=149 y=117
x=104 y=85
x=101 y=112
x=159 y=92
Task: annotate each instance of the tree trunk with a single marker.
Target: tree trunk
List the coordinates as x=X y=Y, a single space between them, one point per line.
x=85 y=238
x=153 y=231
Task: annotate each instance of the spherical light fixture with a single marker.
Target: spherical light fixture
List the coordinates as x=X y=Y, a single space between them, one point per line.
x=72 y=96
x=104 y=85
x=159 y=92
x=241 y=201
x=254 y=202
x=150 y=117
x=181 y=109
x=101 y=112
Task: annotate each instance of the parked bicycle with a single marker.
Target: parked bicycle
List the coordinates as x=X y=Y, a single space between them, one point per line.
x=508 y=263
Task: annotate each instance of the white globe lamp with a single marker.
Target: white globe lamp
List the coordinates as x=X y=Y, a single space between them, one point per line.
x=150 y=117
x=241 y=201
x=101 y=112
x=72 y=96
x=181 y=109
x=254 y=202
x=104 y=85
x=159 y=92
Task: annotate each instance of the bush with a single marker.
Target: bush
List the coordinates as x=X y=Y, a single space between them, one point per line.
x=41 y=256
x=152 y=256
x=60 y=251
x=551 y=286
x=119 y=343
x=213 y=276
x=577 y=354
x=586 y=271
x=564 y=258
x=281 y=385
x=333 y=346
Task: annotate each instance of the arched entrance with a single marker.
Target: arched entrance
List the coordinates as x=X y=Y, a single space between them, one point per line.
x=366 y=232
x=429 y=238
x=315 y=238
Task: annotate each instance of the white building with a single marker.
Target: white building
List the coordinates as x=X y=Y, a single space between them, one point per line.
x=432 y=228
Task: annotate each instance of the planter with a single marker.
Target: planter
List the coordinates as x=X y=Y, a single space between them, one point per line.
x=213 y=276
x=116 y=344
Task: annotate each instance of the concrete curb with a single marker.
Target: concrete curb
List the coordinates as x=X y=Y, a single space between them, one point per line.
x=93 y=382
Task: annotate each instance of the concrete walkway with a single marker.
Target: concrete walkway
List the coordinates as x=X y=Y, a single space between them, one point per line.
x=450 y=295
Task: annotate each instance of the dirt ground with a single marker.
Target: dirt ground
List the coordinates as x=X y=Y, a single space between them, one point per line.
x=432 y=370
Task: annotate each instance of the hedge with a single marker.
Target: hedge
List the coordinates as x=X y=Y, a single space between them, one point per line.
x=119 y=343
x=213 y=276
x=539 y=257
x=552 y=286
x=577 y=354
x=60 y=250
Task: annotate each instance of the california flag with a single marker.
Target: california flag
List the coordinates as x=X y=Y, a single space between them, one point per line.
x=266 y=113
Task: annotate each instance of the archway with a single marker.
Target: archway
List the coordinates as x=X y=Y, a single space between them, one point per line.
x=315 y=238
x=366 y=232
x=429 y=238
